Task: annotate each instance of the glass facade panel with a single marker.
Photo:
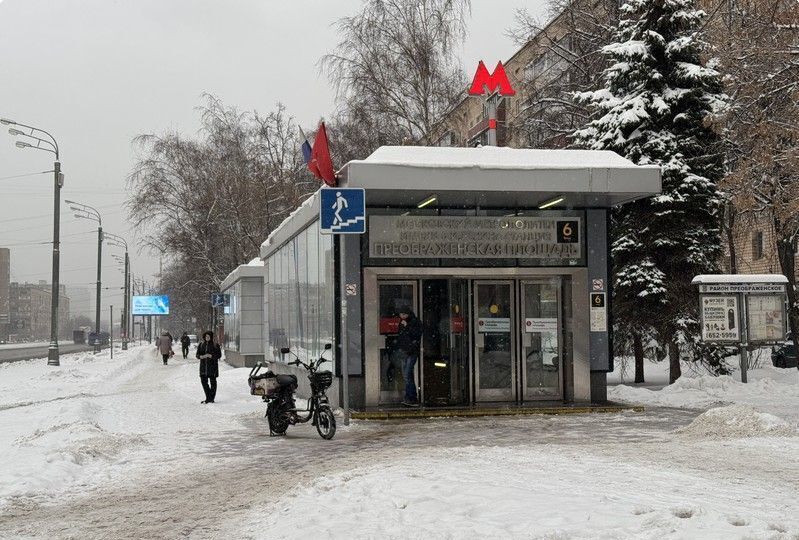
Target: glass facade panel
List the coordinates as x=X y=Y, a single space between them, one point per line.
x=312 y=268
x=267 y=311
x=232 y=337
x=326 y=296
x=301 y=267
x=299 y=297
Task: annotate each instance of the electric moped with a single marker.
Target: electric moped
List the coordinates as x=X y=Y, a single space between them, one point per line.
x=278 y=393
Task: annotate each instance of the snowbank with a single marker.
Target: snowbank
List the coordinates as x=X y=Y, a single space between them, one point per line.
x=94 y=419
x=771 y=390
x=738 y=421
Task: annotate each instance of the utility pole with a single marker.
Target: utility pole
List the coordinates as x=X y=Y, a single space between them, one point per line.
x=111 y=331
x=84 y=211
x=99 y=284
x=126 y=309
x=118 y=241
x=48 y=145
x=52 y=351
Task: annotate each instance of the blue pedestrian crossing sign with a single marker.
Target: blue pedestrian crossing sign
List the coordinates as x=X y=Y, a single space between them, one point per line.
x=342 y=211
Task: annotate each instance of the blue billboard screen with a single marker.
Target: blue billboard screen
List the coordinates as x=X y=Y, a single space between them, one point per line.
x=150 y=305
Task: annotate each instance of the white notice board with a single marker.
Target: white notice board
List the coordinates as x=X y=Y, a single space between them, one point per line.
x=720 y=321
x=765 y=317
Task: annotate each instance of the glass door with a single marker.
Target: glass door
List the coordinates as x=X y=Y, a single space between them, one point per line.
x=445 y=342
x=494 y=366
x=459 y=341
x=392 y=296
x=541 y=347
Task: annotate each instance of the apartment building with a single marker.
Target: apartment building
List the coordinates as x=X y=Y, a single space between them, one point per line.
x=558 y=60
x=30 y=311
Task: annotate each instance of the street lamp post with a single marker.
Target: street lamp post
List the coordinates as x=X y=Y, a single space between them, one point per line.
x=50 y=145
x=118 y=241
x=84 y=211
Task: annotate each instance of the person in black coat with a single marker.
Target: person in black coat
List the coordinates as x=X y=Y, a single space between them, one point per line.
x=409 y=338
x=209 y=354
x=184 y=344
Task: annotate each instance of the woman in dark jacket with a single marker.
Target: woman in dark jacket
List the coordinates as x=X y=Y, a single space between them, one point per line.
x=409 y=339
x=209 y=354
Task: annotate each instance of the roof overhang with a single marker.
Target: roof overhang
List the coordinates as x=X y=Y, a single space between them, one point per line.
x=714 y=279
x=499 y=177
x=487 y=177
x=300 y=218
x=241 y=272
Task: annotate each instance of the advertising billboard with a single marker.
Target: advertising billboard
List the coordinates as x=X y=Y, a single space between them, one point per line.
x=150 y=305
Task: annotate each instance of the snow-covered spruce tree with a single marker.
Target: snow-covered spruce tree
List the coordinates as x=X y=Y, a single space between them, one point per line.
x=656 y=108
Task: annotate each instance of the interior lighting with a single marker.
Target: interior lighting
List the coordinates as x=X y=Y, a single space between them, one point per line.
x=440 y=364
x=428 y=201
x=553 y=202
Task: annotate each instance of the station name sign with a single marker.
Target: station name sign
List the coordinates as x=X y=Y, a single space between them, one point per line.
x=727 y=288
x=477 y=237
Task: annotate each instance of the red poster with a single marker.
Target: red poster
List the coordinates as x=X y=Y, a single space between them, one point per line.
x=457 y=324
x=389 y=325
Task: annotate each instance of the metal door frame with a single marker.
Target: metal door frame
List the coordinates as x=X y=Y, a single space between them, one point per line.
x=415 y=306
x=372 y=275
x=521 y=282
x=496 y=395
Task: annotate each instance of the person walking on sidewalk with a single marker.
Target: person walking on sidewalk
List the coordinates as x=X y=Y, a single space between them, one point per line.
x=165 y=346
x=184 y=344
x=209 y=354
x=409 y=339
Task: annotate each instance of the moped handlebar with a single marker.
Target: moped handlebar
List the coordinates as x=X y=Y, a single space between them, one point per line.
x=314 y=365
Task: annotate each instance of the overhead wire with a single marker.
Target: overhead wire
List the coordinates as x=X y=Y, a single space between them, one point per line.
x=23 y=175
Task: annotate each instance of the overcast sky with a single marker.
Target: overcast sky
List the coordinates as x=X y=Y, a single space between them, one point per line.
x=96 y=73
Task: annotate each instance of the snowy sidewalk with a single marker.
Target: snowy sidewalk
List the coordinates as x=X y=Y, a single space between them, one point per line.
x=122 y=448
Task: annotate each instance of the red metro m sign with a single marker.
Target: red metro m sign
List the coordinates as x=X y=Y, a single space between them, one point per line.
x=491 y=81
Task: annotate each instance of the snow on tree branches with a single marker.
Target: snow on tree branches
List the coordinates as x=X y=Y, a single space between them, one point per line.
x=657 y=107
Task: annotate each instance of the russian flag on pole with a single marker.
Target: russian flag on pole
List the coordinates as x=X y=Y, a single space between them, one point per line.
x=305 y=147
x=318 y=160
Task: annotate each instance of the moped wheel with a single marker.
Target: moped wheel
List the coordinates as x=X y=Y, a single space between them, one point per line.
x=278 y=423
x=325 y=422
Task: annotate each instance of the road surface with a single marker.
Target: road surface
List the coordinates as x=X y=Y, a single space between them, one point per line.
x=37 y=350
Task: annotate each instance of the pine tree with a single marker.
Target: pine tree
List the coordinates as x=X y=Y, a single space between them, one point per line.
x=657 y=107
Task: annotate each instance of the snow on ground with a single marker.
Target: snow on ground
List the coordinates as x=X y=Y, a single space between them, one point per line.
x=769 y=390
x=63 y=426
x=122 y=448
x=524 y=492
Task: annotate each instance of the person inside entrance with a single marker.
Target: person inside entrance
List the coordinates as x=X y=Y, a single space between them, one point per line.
x=408 y=342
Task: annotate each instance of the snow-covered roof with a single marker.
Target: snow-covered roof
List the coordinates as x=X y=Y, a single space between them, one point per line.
x=490 y=176
x=707 y=279
x=494 y=157
x=304 y=214
x=498 y=177
x=243 y=271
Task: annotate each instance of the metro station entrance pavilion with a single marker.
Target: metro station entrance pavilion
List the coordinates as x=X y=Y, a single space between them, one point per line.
x=501 y=253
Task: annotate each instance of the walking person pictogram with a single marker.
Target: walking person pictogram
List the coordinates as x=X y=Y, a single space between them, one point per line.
x=340 y=204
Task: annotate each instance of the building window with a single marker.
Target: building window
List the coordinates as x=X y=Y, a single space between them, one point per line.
x=757 y=245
